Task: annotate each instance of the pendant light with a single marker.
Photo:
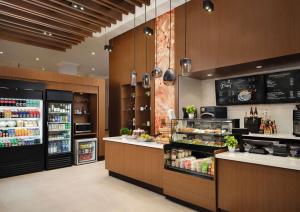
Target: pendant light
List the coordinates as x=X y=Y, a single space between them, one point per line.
x=169 y=77
x=107 y=47
x=146 y=79
x=156 y=72
x=133 y=74
x=185 y=63
x=208 y=5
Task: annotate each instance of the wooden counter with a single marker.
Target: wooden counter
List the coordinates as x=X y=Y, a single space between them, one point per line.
x=139 y=162
x=246 y=186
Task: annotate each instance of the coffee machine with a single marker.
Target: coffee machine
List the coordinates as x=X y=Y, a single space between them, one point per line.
x=296 y=121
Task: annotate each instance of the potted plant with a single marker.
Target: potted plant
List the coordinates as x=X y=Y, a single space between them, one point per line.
x=191 y=109
x=125 y=132
x=231 y=143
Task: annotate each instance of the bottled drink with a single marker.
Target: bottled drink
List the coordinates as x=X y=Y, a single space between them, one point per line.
x=255 y=112
x=251 y=112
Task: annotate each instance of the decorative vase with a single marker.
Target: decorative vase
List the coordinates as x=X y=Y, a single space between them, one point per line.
x=231 y=149
x=191 y=115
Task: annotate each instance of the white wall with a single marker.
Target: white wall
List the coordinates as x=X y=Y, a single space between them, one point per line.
x=189 y=93
x=202 y=93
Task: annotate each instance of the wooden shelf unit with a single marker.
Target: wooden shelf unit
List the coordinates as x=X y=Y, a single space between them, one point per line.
x=85 y=102
x=136 y=104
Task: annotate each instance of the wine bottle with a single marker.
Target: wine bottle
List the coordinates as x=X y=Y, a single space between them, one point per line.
x=251 y=112
x=255 y=112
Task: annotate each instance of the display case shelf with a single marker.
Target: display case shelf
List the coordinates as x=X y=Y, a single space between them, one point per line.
x=189 y=172
x=203 y=134
x=59 y=130
x=60 y=139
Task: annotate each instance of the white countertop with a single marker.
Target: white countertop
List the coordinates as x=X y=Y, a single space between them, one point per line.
x=119 y=139
x=266 y=160
x=275 y=136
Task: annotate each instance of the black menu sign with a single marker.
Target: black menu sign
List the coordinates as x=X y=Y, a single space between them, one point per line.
x=242 y=90
x=283 y=86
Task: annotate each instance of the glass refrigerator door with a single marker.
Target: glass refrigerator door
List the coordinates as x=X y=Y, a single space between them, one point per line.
x=86 y=151
x=21 y=122
x=59 y=128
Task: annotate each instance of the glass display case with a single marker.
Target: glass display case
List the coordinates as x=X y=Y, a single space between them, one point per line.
x=194 y=143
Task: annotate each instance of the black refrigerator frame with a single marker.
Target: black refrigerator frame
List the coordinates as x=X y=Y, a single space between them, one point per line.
x=18 y=160
x=64 y=159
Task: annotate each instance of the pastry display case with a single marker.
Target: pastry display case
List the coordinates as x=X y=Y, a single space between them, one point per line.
x=194 y=143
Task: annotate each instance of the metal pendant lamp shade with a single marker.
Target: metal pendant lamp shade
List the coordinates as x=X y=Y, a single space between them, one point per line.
x=146 y=78
x=185 y=63
x=156 y=72
x=186 y=66
x=133 y=74
x=169 y=77
x=133 y=78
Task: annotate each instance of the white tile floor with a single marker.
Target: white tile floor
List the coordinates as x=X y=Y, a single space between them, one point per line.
x=85 y=188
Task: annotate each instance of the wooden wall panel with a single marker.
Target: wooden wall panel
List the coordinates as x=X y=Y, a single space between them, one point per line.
x=238 y=32
x=121 y=65
x=250 y=187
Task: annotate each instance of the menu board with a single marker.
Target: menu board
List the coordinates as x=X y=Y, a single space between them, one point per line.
x=242 y=90
x=283 y=87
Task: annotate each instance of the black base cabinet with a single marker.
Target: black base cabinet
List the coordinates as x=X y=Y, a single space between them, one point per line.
x=21 y=160
x=59 y=161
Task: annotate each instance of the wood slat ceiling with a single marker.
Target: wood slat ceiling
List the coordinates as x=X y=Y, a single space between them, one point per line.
x=57 y=24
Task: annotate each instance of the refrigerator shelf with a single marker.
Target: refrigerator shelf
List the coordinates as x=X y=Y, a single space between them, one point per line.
x=25 y=137
x=22 y=108
x=59 y=130
x=8 y=128
x=26 y=119
x=59 y=122
x=58 y=112
x=61 y=139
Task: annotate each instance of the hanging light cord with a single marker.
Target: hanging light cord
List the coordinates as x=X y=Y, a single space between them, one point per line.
x=146 y=39
x=134 y=41
x=105 y=36
x=170 y=35
x=185 y=26
x=155 y=32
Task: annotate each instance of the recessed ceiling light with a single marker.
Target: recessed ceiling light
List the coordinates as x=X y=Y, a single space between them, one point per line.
x=50 y=34
x=209 y=75
x=75 y=5
x=43 y=69
x=93 y=69
x=259 y=66
x=93 y=53
x=82 y=8
x=37 y=59
x=1 y=52
x=45 y=33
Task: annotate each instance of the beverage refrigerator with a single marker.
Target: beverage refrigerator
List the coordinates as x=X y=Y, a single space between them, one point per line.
x=85 y=150
x=59 y=133
x=21 y=128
